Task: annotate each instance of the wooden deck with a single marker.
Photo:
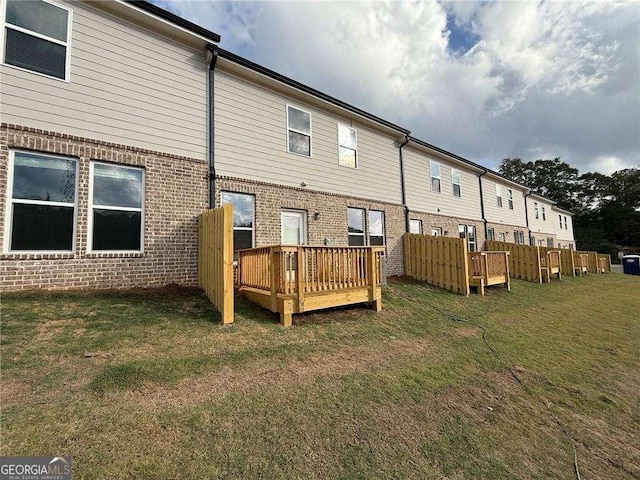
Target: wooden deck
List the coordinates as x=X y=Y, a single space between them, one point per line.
x=550 y=265
x=488 y=268
x=296 y=279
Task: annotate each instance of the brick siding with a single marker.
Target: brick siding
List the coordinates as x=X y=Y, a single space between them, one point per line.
x=448 y=225
x=176 y=191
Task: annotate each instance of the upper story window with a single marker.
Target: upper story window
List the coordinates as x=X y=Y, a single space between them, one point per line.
x=298 y=131
x=355 y=224
x=544 y=215
x=37 y=37
x=565 y=223
x=415 y=226
x=376 y=227
x=347 y=146
x=434 y=168
x=455 y=181
x=243 y=215
x=41 y=203
x=510 y=198
x=116 y=202
x=536 y=213
x=499 y=195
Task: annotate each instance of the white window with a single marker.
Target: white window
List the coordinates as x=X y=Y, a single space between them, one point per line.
x=347 y=146
x=41 y=203
x=116 y=208
x=544 y=215
x=243 y=218
x=455 y=182
x=518 y=237
x=469 y=233
x=510 y=197
x=298 y=131
x=550 y=242
x=434 y=168
x=536 y=213
x=560 y=218
x=37 y=37
x=376 y=227
x=436 y=231
x=415 y=226
x=499 y=195
x=565 y=223
x=355 y=225
x=502 y=237
x=491 y=235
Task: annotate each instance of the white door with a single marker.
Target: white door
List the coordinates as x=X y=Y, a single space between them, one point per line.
x=294 y=231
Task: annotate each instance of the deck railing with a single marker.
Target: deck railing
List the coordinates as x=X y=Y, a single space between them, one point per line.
x=488 y=264
x=581 y=262
x=551 y=260
x=292 y=269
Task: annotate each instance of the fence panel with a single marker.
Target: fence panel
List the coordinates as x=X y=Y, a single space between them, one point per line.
x=215 y=258
x=524 y=260
x=439 y=261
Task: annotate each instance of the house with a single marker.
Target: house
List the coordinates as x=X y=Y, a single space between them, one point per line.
x=134 y=121
x=103 y=144
x=563 y=220
x=541 y=222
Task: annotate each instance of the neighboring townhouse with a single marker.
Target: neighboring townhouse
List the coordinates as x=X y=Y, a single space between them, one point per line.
x=504 y=209
x=542 y=225
x=563 y=221
x=442 y=193
x=103 y=144
x=302 y=167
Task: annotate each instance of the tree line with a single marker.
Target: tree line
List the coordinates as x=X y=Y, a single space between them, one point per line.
x=606 y=207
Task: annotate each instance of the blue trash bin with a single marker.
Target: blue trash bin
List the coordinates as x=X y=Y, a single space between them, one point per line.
x=631 y=264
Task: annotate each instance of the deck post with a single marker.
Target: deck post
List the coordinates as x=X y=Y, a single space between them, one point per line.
x=272 y=279
x=299 y=279
x=371 y=277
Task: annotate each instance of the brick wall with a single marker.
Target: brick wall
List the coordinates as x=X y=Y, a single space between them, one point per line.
x=449 y=225
x=270 y=199
x=176 y=191
x=508 y=231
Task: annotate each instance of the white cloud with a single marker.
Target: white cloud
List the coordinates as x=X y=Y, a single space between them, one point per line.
x=545 y=78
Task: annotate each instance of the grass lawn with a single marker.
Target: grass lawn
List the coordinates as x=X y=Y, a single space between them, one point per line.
x=405 y=393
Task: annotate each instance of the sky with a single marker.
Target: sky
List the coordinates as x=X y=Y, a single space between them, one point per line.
x=484 y=80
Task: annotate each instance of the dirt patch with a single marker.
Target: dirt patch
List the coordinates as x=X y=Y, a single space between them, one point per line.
x=466 y=332
x=13 y=392
x=51 y=329
x=274 y=376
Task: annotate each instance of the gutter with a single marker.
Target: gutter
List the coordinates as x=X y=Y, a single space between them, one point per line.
x=484 y=220
x=212 y=57
x=402 y=187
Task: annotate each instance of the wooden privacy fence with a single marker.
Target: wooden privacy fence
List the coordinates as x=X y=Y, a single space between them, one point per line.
x=440 y=261
x=604 y=262
x=215 y=258
x=488 y=268
x=580 y=263
x=296 y=279
x=524 y=260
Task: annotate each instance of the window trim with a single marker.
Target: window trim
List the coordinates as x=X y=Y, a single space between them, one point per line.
x=566 y=227
x=499 y=201
x=91 y=206
x=310 y=134
x=364 y=226
x=536 y=210
x=355 y=150
x=253 y=220
x=420 y=230
x=491 y=234
x=438 y=231
x=510 y=198
x=439 y=177
x=384 y=229
x=453 y=184
x=302 y=215
x=544 y=214
x=8 y=224
x=67 y=44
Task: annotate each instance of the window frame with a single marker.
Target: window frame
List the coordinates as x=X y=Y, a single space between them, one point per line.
x=419 y=225
x=491 y=234
x=310 y=134
x=438 y=177
x=544 y=213
x=459 y=184
x=364 y=228
x=437 y=230
x=536 y=210
x=560 y=218
x=3 y=40
x=510 y=198
x=355 y=150
x=464 y=231
x=91 y=206
x=384 y=230
x=253 y=219
x=566 y=227
x=499 y=201
x=8 y=224
x=302 y=216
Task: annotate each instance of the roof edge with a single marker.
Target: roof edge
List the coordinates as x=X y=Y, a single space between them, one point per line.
x=227 y=55
x=149 y=7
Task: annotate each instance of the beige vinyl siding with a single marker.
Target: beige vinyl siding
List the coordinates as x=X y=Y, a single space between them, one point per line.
x=562 y=233
x=421 y=198
x=504 y=215
x=127 y=86
x=540 y=226
x=251 y=143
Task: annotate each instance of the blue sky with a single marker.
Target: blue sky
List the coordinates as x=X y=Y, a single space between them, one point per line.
x=485 y=80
